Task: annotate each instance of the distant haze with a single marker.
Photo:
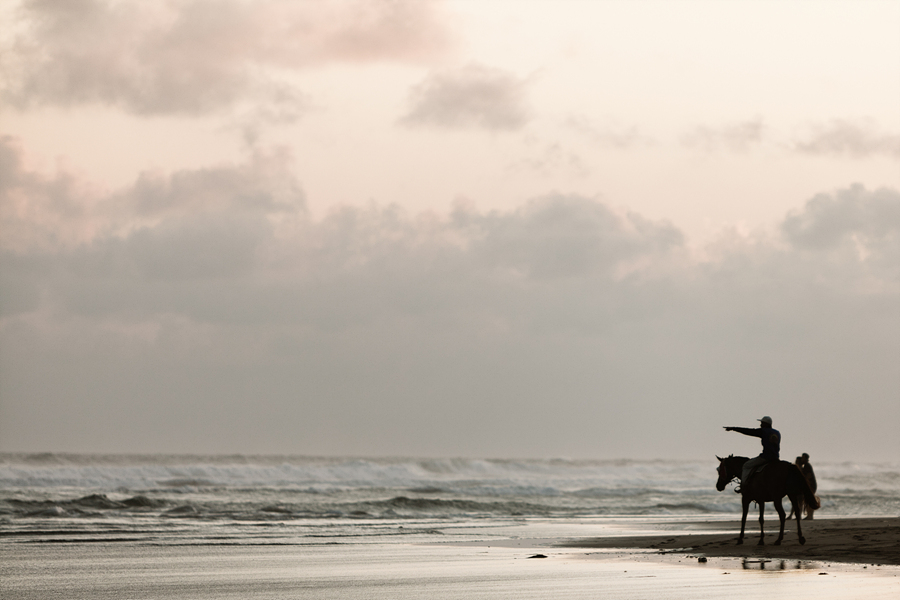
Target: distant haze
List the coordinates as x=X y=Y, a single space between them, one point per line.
x=497 y=229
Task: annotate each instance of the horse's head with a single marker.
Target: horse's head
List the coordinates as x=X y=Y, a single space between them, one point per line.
x=725 y=474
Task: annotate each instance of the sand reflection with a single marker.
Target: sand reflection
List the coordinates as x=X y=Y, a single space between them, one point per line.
x=764 y=564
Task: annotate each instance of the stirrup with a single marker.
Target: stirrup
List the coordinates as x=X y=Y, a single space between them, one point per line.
x=737 y=490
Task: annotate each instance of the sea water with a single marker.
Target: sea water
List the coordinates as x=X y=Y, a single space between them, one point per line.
x=305 y=500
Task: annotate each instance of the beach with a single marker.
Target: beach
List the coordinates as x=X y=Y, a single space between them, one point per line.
x=843 y=558
x=873 y=540
x=197 y=527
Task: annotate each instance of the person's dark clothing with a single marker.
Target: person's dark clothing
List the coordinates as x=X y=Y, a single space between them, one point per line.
x=771 y=440
x=807 y=471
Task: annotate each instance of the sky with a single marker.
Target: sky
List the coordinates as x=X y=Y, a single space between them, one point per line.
x=501 y=228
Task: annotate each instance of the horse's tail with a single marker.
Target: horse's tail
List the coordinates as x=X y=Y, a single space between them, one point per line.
x=806 y=496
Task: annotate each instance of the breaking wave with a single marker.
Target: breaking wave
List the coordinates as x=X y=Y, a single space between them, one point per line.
x=52 y=497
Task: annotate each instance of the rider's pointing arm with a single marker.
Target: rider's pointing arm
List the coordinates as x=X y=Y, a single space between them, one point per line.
x=746 y=431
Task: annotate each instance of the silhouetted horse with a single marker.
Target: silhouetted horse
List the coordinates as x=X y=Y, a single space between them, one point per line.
x=777 y=480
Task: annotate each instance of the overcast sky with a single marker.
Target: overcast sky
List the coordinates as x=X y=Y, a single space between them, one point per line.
x=462 y=228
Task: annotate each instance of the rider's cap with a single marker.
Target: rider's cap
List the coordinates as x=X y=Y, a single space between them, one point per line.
x=766 y=420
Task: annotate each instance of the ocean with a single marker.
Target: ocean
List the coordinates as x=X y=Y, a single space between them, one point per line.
x=293 y=500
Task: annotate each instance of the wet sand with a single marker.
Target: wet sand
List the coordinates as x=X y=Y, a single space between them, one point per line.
x=624 y=559
x=874 y=541
x=115 y=570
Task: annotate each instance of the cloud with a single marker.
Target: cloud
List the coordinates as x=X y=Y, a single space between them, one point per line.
x=185 y=298
x=549 y=159
x=735 y=137
x=248 y=225
x=829 y=219
x=612 y=137
x=285 y=105
x=471 y=97
x=857 y=139
x=53 y=213
x=198 y=56
x=852 y=225
x=209 y=247
x=39 y=211
x=402 y=30
x=561 y=236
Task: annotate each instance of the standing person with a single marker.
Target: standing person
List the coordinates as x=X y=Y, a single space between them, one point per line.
x=807 y=470
x=771 y=443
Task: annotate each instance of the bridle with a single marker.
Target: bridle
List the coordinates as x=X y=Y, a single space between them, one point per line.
x=722 y=468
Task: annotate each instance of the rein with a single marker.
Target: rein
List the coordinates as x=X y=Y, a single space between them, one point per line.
x=734 y=477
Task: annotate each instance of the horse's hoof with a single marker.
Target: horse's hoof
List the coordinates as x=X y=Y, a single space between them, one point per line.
x=740 y=542
x=777 y=542
x=761 y=543
x=802 y=540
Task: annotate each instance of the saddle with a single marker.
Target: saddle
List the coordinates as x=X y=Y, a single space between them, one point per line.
x=759 y=469
x=753 y=471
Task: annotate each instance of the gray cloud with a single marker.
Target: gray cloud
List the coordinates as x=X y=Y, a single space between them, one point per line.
x=35 y=211
x=829 y=219
x=226 y=319
x=858 y=139
x=199 y=56
x=208 y=247
x=562 y=236
x=285 y=105
x=47 y=213
x=473 y=96
x=550 y=159
x=264 y=185
x=117 y=252
x=851 y=225
x=735 y=137
x=612 y=137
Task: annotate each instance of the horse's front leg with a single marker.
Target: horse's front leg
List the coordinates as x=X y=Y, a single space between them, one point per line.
x=762 y=531
x=745 y=506
x=780 y=510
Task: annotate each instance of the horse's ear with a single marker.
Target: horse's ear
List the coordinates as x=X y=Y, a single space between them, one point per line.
x=719 y=457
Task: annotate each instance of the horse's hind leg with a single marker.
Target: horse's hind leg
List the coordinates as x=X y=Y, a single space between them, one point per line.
x=745 y=505
x=780 y=510
x=795 y=501
x=762 y=529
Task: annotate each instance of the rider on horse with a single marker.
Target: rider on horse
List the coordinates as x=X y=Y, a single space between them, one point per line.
x=771 y=443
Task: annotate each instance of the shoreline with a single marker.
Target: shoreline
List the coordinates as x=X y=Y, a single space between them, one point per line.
x=862 y=540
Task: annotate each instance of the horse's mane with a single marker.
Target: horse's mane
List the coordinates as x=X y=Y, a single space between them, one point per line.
x=736 y=457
